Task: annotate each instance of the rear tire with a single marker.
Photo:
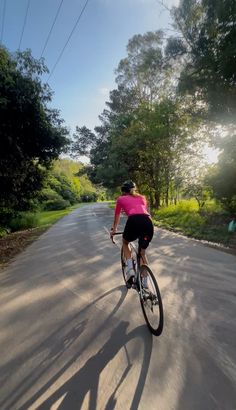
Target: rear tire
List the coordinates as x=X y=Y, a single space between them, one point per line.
x=151 y=302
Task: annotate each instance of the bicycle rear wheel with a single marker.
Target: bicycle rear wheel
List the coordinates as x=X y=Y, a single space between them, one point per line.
x=151 y=302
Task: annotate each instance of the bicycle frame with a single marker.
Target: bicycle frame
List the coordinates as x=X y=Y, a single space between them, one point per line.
x=138 y=258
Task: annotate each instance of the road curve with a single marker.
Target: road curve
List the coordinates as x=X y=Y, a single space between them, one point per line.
x=72 y=337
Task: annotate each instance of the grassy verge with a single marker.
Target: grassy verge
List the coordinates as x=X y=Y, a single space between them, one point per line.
x=50 y=217
x=29 y=220
x=210 y=224
x=28 y=228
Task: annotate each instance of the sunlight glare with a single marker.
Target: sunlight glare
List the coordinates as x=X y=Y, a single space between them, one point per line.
x=211 y=155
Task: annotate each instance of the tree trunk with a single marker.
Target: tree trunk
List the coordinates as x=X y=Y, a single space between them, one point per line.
x=157 y=200
x=167 y=196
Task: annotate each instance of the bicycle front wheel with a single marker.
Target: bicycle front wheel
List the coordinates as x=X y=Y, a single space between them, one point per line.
x=151 y=302
x=123 y=264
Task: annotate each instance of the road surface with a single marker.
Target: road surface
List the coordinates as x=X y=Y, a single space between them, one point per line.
x=72 y=337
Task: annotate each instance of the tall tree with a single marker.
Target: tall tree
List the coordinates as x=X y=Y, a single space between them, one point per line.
x=143 y=71
x=31 y=134
x=208 y=48
x=222 y=177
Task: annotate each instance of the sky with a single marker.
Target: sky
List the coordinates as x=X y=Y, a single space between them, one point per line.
x=85 y=73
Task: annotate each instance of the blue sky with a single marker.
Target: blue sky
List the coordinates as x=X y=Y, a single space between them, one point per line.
x=85 y=74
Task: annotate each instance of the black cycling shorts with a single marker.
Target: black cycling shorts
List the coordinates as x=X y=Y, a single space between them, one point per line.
x=139 y=227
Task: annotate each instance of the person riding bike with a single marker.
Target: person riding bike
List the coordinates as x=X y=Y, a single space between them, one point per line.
x=138 y=225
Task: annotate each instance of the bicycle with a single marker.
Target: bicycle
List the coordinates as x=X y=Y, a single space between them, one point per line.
x=149 y=295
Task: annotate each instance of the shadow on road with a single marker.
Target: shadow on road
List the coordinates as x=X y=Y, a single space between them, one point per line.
x=61 y=344
x=56 y=345
x=87 y=378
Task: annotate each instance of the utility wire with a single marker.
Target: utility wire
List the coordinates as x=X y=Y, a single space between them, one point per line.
x=3 y=19
x=53 y=24
x=23 y=29
x=72 y=31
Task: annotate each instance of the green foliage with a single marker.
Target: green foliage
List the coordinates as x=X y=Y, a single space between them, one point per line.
x=3 y=232
x=63 y=186
x=89 y=197
x=84 y=140
x=146 y=129
x=56 y=204
x=23 y=221
x=222 y=177
x=31 y=134
x=199 y=191
x=28 y=220
x=50 y=217
x=182 y=207
x=142 y=71
x=185 y=218
x=208 y=45
x=145 y=146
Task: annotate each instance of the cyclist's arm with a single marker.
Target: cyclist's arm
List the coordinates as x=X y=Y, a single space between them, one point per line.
x=116 y=217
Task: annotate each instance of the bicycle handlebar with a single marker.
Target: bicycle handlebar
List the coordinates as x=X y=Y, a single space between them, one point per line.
x=116 y=233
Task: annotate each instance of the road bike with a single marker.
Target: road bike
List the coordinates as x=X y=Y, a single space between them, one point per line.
x=148 y=290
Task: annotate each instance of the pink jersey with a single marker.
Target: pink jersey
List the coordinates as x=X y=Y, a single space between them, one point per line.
x=131 y=205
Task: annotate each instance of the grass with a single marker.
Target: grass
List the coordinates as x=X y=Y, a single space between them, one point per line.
x=29 y=220
x=210 y=224
x=50 y=217
x=27 y=228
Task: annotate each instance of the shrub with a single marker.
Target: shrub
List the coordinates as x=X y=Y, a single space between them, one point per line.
x=24 y=220
x=3 y=231
x=56 y=204
x=89 y=197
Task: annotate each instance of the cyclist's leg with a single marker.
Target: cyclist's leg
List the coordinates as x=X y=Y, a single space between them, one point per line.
x=129 y=236
x=143 y=259
x=145 y=237
x=127 y=250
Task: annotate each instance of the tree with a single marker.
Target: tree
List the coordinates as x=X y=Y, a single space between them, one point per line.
x=83 y=142
x=222 y=177
x=208 y=49
x=199 y=191
x=143 y=71
x=31 y=134
x=145 y=128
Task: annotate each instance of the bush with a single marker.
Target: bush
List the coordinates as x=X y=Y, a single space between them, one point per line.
x=3 y=231
x=89 y=197
x=56 y=204
x=6 y=214
x=24 y=220
x=48 y=194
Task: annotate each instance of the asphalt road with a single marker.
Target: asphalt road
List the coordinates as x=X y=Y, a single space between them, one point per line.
x=72 y=337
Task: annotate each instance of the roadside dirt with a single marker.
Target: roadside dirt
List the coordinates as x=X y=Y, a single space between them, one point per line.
x=16 y=242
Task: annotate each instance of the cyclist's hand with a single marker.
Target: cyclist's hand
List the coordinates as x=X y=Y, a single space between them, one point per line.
x=112 y=232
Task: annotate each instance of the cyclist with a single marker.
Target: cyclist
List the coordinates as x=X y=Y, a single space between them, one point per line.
x=138 y=226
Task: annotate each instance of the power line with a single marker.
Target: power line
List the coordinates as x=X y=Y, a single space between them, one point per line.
x=72 y=31
x=3 y=18
x=23 y=29
x=53 y=24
